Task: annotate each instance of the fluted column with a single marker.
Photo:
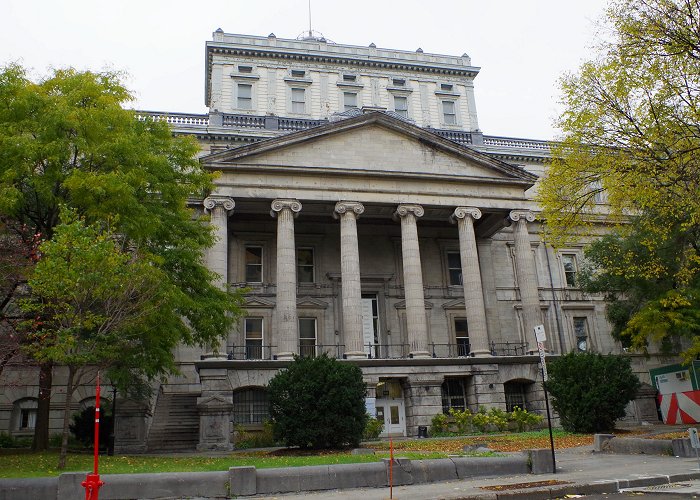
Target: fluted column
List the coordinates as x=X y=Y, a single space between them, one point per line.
x=413 y=280
x=348 y=212
x=471 y=280
x=527 y=275
x=219 y=208
x=286 y=327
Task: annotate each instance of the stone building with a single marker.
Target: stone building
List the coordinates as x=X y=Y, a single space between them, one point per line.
x=372 y=220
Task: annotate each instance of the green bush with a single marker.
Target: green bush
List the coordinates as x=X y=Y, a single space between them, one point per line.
x=9 y=441
x=590 y=391
x=439 y=424
x=498 y=419
x=463 y=420
x=481 y=419
x=523 y=419
x=318 y=403
x=373 y=428
x=83 y=427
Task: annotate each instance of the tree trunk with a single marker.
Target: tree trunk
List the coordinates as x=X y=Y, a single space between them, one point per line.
x=41 y=428
x=66 y=418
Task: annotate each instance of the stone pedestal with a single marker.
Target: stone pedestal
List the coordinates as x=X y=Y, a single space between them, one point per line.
x=131 y=426
x=214 y=422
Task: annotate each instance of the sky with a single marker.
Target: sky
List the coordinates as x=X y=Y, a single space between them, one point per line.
x=522 y=46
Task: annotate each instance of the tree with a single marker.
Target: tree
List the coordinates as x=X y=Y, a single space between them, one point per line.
x=94 y=306
x=318 y=403
x=632 y=140
x=66 y=140
x=643 y=304
x=590 y=391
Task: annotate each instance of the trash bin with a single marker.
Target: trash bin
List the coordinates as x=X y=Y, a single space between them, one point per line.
x=422 y=431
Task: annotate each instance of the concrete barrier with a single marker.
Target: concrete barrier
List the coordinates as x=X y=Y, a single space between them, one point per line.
x=633 y=446
x=244 y=481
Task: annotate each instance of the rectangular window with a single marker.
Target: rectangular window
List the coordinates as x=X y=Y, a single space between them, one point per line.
x=349 y=100
x=581 y=333
x=245 y=96
x=449 y=115
x=298 y=101
x=454 y=394
x=399 y=82
x=245 y=69
x=570 y=268
x=462 y=337
x=349 y=78
x=254 y=338
x=515 y=395
x=401 y=105
x=305 y=265
x=298 y=73
x=448 y=87
x=454 y=268
x=253 y=264
x=307 y=337
x=250 y=406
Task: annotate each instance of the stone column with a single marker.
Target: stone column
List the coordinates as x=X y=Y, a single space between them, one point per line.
x=413 y=280
x=286 y=328
x=351 y=290
x=219 y=208
x=471 y=280
x=527 y=275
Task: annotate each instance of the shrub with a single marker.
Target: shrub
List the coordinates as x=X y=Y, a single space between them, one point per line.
x=319 y=403
x=481 y=419
x=498 y=418
x=373 y=428
x=463 y=420
x=9 y=441
x=523 y=419
x=439 y=424
x=590 y=391
x=83 y=426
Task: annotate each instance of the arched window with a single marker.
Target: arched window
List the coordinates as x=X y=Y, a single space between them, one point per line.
x=24 y=414
x=516 y=394
x=250 y=406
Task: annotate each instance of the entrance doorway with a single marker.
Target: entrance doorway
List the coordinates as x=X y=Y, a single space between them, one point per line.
x=390 y=408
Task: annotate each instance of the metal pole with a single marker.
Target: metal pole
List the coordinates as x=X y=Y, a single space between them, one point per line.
x=549 y=424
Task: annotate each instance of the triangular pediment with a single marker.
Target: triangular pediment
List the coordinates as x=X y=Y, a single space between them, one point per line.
x=402 y=305
x=311 y=303
x=373 y=144
x=454 y=304
x=253 y=302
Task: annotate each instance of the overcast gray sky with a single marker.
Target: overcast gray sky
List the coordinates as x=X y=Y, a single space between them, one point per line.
x=522 y=46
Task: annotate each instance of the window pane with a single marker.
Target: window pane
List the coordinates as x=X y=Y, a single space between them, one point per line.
x=401 y=105
x=245 y=96
x=570 y=268
x=448 y=112
x=305 y=265
x=580 y=327
x=453 y=260
x=349 y=100
x=253 y=328
x=453 y=394
x=253 y=264
x=298 y=101
x=307 y=328
x=250 y=407
x=515 y=395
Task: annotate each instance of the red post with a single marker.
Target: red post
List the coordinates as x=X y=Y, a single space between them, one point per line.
x=92 y=483
x=391 y=468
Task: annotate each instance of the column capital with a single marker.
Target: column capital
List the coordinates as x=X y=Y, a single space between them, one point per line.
x=226 y=202
x=280 y=204
x=516 y=215
x=348 y=206
x=404 y=209
x=463 y=212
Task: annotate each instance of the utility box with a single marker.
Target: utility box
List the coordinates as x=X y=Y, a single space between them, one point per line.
x=679 y=392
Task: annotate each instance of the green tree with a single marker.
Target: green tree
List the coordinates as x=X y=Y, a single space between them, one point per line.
x=318 y=403
x=631 y=137
x=67 y=140
x=590 y=391
x=644 y=304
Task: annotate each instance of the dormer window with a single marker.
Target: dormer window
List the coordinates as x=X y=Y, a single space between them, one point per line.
x=349 y=78
x=298 y=73
x=447 y=87
x=245 y=69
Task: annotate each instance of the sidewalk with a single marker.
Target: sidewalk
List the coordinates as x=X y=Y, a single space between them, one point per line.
x=580 y=469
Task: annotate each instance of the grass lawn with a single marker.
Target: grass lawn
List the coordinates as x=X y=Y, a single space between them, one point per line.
x=22 y=463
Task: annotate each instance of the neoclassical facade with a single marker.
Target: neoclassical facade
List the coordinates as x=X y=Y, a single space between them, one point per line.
x=370 y=219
